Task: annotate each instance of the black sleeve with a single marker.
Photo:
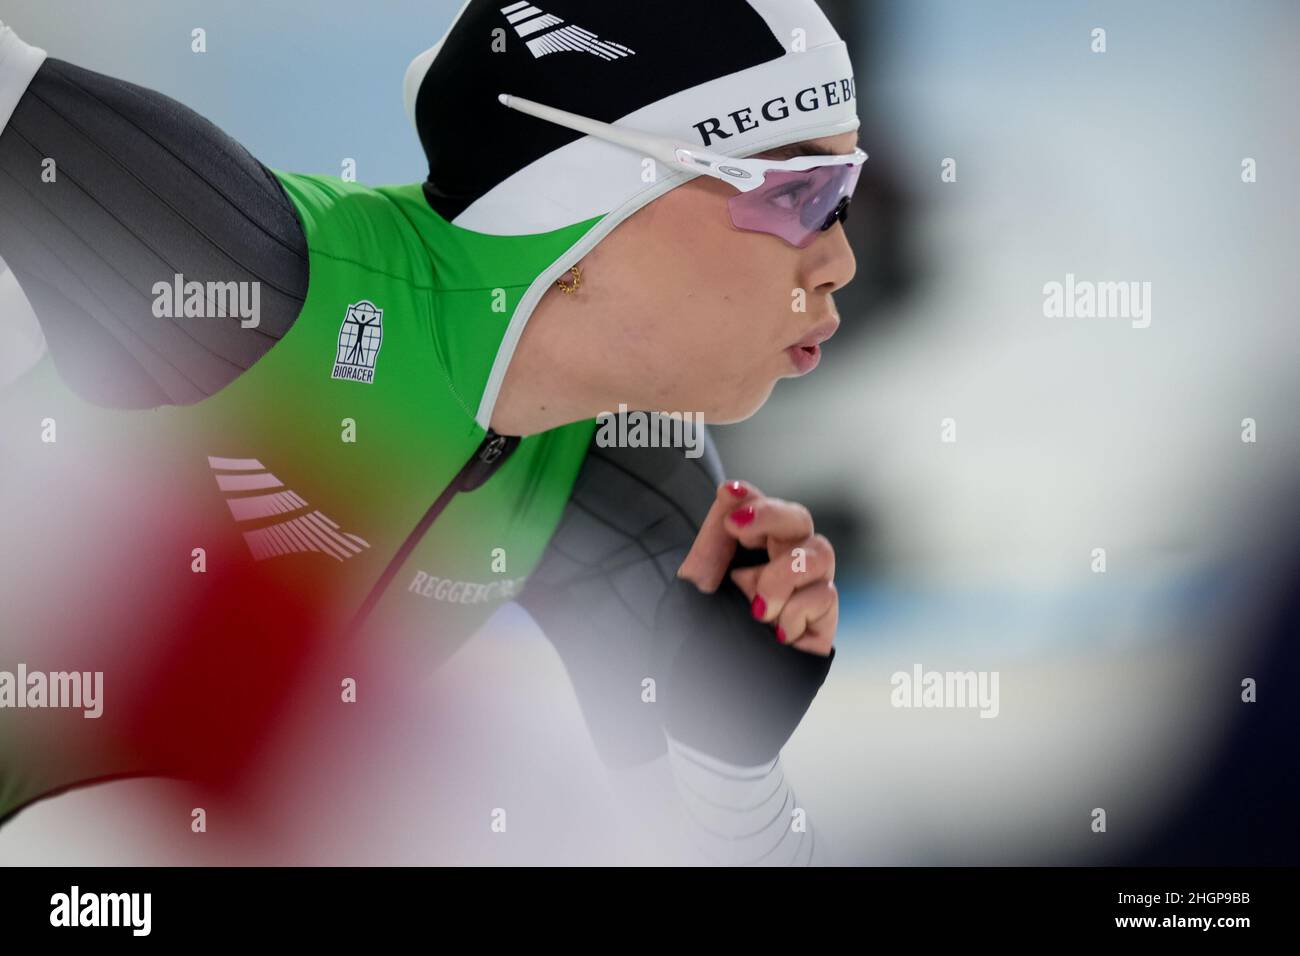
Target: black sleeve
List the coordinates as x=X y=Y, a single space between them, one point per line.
x=141 y=189
x=607 y=596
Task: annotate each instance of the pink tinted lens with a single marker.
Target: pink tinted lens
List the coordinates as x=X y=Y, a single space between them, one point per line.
x=794 y=205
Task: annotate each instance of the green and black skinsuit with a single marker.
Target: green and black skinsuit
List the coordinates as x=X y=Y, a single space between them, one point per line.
x=330 y=456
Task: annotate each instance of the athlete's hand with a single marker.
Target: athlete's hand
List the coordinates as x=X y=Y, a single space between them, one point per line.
x=795 y=591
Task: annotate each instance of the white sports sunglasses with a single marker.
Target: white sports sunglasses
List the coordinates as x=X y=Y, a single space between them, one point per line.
x=795 y=199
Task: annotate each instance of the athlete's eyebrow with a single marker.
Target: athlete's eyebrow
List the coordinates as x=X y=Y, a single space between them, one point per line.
x=795 y=150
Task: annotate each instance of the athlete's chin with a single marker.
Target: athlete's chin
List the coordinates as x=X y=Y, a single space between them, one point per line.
x=740 y=407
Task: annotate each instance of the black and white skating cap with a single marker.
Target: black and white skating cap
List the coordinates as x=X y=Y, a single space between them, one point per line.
x=737 y=76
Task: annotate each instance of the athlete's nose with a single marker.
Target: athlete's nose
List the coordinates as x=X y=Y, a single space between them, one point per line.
x=830 y=262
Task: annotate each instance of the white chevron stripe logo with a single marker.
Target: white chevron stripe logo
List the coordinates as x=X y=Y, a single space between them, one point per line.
x=528 y=19
x=305 y=531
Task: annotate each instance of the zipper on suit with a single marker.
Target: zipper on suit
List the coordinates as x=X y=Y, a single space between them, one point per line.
x=490 y=455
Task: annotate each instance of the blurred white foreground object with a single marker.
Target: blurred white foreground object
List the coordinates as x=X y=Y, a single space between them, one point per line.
x=24 y=343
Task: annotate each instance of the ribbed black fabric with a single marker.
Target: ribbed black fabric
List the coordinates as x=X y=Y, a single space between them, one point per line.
x=144 y=189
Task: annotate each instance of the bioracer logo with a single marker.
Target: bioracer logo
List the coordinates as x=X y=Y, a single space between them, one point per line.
x=359 y=340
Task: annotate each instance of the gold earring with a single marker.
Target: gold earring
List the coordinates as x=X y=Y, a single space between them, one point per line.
x=577 y=281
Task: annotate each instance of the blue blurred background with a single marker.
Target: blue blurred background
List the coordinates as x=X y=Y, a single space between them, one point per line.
x=1118 y=690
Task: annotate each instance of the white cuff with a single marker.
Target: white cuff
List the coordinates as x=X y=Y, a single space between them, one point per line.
x=742 y=816
x=19 y=62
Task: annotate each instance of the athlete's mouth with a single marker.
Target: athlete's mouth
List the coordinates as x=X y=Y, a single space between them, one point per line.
x=807 y=352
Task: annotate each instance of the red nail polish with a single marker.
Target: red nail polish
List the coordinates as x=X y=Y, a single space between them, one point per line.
x=758 y=607
x=780 y=634
x=736 y=488
x=743 y=516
